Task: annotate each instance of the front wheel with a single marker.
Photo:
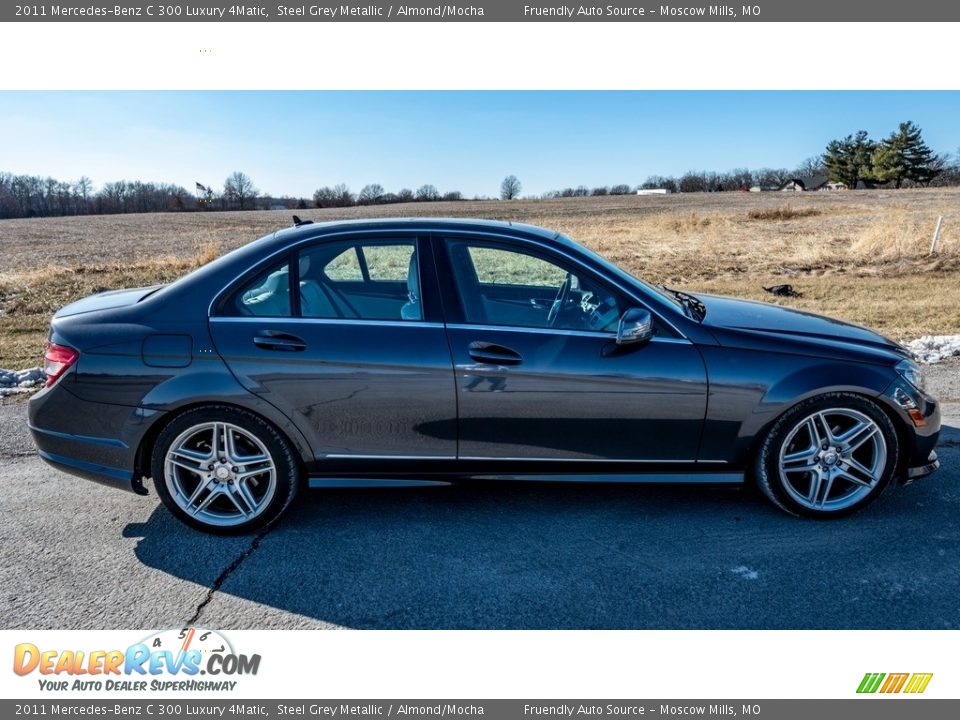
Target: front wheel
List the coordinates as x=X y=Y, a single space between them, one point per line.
x=223 y=470
x=828 y=456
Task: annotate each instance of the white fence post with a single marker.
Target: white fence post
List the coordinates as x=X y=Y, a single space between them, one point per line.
x=936 y=235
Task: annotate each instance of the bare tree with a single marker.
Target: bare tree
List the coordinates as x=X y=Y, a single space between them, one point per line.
x=811 y=166
x=83 y=189
x=239 y=191
x=427 y=193
x=510 y=188
x=371 y=194
x=344 y=196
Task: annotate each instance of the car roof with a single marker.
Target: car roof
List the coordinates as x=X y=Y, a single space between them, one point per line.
x=410 y=223
x=226 y=268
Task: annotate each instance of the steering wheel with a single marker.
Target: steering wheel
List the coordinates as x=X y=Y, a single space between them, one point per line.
x=559 y=301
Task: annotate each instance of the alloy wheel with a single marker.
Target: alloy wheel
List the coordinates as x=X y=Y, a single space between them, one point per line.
x=220 y=474
x=832 y=459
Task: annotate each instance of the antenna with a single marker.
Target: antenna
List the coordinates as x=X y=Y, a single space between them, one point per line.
x=297 y=222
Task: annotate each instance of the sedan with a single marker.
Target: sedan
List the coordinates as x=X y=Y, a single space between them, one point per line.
x=419 y=352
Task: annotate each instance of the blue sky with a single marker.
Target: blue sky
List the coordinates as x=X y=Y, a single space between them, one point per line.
x=290 y=143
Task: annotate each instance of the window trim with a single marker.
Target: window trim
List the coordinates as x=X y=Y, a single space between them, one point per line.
x=227 y=299
x=432 y=310
x=542 y=252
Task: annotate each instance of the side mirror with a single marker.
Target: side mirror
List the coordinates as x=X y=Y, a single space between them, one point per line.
x=636 y=326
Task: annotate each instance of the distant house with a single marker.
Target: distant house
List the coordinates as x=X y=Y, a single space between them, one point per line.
x=655 y=191
x=874 y=185
x=809 y=184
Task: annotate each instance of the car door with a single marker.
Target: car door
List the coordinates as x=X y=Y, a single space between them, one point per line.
x=356 y=358
x=540 y=377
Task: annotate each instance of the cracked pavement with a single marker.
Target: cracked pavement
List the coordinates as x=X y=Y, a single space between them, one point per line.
x=74 y=554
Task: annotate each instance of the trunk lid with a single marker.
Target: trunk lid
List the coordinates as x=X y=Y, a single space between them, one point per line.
x=105 y=301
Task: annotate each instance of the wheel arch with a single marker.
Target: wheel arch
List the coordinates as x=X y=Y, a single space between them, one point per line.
x=285 y=429
x=758 y=437
x=811 y=381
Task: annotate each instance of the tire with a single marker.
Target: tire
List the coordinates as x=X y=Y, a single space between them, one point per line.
x=240 y=482
x=828 y=457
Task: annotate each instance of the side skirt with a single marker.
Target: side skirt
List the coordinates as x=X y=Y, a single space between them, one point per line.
x=693 y=478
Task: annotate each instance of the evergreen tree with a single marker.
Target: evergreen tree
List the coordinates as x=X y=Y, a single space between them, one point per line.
x=850 y=160
x=905 y=156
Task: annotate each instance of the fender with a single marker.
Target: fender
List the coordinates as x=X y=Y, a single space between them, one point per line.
x=190 y=389
x=737 y=411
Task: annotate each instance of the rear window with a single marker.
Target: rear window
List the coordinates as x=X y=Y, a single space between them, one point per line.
x=267 y=295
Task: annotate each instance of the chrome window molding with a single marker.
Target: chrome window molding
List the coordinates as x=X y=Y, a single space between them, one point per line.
x=324 y=321
x=556 y=331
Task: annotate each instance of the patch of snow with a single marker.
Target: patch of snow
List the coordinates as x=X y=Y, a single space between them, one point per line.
x=934 y=348
x=20 y=381
x=745 y=572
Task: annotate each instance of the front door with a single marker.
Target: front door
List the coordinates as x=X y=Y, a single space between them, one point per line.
x=540 y=376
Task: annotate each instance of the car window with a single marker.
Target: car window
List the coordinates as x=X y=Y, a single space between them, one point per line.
x=503 y=286
x=494 y=266
x=388 y=262
x=367 y=280
x=267 y=295
x=345 y=266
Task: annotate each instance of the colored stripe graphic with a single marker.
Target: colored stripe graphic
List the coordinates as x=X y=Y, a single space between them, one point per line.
x=918 y=683
x=870 y=682
x=894 y=683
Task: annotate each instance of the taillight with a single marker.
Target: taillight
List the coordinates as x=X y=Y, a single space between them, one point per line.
x=59 y=359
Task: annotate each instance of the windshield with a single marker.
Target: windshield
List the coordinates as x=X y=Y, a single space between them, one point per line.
x=623 y=274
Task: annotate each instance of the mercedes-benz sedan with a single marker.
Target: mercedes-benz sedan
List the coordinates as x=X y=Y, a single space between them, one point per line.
x=420 y=351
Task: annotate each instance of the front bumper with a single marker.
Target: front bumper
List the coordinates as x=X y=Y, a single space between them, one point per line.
x=920 y=471
x=919 y=414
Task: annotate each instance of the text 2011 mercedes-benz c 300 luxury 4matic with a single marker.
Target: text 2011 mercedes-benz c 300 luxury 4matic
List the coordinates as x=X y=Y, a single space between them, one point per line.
x=418 y=352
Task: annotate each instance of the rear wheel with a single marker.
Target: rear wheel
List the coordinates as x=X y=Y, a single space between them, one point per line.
x=828 y=456
x=224 y=470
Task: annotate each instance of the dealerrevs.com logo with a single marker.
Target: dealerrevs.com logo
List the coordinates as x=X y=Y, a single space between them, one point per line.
x=168 y=660
x=911 y=683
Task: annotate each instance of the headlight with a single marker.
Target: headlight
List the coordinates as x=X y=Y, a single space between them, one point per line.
x=911 y=372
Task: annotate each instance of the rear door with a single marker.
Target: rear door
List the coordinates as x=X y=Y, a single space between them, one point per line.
x=358 y=358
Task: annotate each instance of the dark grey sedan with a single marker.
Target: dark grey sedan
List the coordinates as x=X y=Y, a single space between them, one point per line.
x=419 y=352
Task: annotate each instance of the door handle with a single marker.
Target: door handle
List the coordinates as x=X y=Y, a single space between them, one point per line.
x=492 y=354
x=272 y=340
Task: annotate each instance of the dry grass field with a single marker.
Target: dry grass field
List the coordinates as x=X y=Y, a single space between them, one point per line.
x=862 y=256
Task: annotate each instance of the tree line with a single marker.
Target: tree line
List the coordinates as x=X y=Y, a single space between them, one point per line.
x=375 y=194
x=25 y=196
x=902 y=159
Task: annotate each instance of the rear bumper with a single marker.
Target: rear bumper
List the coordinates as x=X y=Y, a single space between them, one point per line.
x=104 y=453
x=115 y=477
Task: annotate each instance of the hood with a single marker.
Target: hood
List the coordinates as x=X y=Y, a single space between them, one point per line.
x=746 y=323
x=105 y=301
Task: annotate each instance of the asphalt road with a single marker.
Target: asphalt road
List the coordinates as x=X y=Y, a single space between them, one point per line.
x=77 y=555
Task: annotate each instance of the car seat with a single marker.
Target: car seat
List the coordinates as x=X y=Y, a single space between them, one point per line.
x=412 y=310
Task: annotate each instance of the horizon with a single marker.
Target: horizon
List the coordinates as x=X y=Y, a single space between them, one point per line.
x=291 y=143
